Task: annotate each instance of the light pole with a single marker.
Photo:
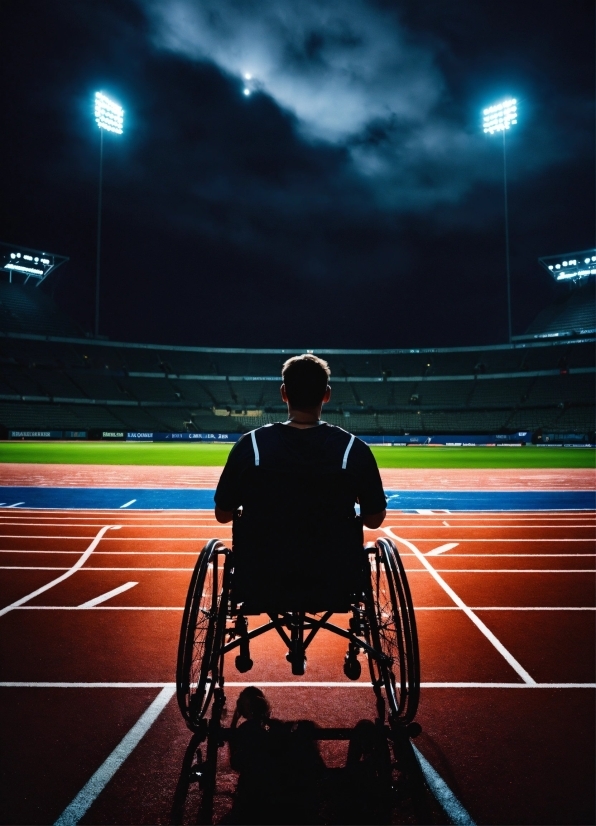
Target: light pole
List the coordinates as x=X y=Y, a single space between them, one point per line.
x=499 y=118
x=108 y=116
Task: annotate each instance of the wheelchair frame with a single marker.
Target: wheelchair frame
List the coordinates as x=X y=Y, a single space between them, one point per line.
x=382 y=625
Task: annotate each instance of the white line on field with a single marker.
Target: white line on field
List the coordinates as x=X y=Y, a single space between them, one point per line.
x=442 y=549
x=128 y=504
x=408 y=570
x=457 y=814
x=295 y=684
x=418 y=608
x=195 y=554
x=108 y=595
x=15 y=505
x=493 y=539
x=96 y=784
x=198 y=539
x=81 y=561
x=517 y=667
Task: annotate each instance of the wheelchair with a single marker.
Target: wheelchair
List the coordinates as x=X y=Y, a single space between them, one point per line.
x=229 y=587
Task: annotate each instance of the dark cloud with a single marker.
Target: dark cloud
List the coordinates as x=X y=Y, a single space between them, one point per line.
x=348 y=200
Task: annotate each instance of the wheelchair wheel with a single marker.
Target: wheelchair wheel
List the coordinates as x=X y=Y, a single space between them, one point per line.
x=393 y=632
x=201 y=634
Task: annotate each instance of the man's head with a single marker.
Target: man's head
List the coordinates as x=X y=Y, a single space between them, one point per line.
x=306 y=380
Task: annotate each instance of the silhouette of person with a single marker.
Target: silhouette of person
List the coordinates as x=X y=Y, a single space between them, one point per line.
x=278 y=762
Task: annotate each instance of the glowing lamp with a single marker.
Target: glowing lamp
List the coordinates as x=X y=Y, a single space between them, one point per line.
x=108 y=115
x=499 y=117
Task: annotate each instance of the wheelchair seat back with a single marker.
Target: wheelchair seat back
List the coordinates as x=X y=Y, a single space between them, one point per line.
x=297 y=542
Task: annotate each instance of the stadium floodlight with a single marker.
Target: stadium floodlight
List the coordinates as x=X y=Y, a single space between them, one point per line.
x=108 y=114
x=570 y=266
x=499 y=118
x=28 y=263
x=109 y=117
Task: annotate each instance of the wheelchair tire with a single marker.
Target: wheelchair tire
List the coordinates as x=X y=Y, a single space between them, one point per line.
x=393 y=632
x=201 y=634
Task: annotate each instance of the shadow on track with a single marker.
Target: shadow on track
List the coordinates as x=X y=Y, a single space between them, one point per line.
x=287 y=782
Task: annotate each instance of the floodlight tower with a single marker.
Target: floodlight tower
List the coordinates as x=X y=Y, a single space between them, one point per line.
x=499 y=118
x=108 y=116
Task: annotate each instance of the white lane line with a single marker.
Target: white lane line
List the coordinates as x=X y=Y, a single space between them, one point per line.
x=121 y=538
x=195 y=554
x=442 y=548
x=16 y=505
x=51 y=568
x=418 y=608
x=81 y=561
x=508 y=570
x=128 y=504
x=407 y=570
x=97 y=783
x=108 y=595
x=457 y=814
x=198 y=539
x=107 y=607
x=487 y=539
x=517 y=667
x=295 y=684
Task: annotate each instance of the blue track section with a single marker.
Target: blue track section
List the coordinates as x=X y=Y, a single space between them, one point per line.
x=186 y=499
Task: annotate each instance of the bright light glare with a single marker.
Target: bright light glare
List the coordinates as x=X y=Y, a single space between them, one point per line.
x=247 y=76
x=20 y=268
x=247 y=92
x=109 y=115
x=499 y=117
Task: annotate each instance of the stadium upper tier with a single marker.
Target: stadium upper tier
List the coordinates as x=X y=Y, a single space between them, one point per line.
x=62 y=382
x=574 y=313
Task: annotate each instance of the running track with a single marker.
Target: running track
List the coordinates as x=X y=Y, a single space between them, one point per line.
x=505 y=608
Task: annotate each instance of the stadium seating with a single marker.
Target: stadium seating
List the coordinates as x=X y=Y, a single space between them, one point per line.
x=52 y=377
x=573 y=313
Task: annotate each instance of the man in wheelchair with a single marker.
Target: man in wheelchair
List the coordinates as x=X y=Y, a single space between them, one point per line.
x=290 y=489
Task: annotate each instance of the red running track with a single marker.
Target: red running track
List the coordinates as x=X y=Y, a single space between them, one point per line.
x=139 y=476
x=505 y=609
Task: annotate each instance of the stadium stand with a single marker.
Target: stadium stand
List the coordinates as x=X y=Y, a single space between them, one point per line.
x=53 y=377
x=572 y=314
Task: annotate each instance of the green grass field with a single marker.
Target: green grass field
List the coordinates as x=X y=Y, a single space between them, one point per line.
x=123 y=453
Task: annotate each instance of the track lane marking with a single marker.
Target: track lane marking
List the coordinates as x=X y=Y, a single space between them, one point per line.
x=442 y=549
x=287 y=684
x=407 y=570
x=456 y=812
x=193 y=553
x=128 y=504
x=91 y=603
x=80 y=562
x=418 y=608
x=517 y=667
x=77 y=808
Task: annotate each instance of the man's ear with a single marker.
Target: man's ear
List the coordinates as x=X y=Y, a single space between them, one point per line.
x=327 y=395
x=284 y=395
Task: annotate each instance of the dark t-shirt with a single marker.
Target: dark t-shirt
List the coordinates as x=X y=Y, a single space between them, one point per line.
x=297 y=541
x=317 y=451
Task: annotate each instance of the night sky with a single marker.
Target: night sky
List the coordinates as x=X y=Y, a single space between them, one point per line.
x=350 y=200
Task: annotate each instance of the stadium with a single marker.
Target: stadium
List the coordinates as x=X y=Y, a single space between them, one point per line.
x=539 y=388
x=235 y=588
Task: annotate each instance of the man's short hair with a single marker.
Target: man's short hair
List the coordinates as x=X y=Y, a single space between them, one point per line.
x=305 y=378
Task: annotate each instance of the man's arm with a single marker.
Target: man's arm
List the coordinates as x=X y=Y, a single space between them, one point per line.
x=224 y=516
x=372 y=520
x=227 y=496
